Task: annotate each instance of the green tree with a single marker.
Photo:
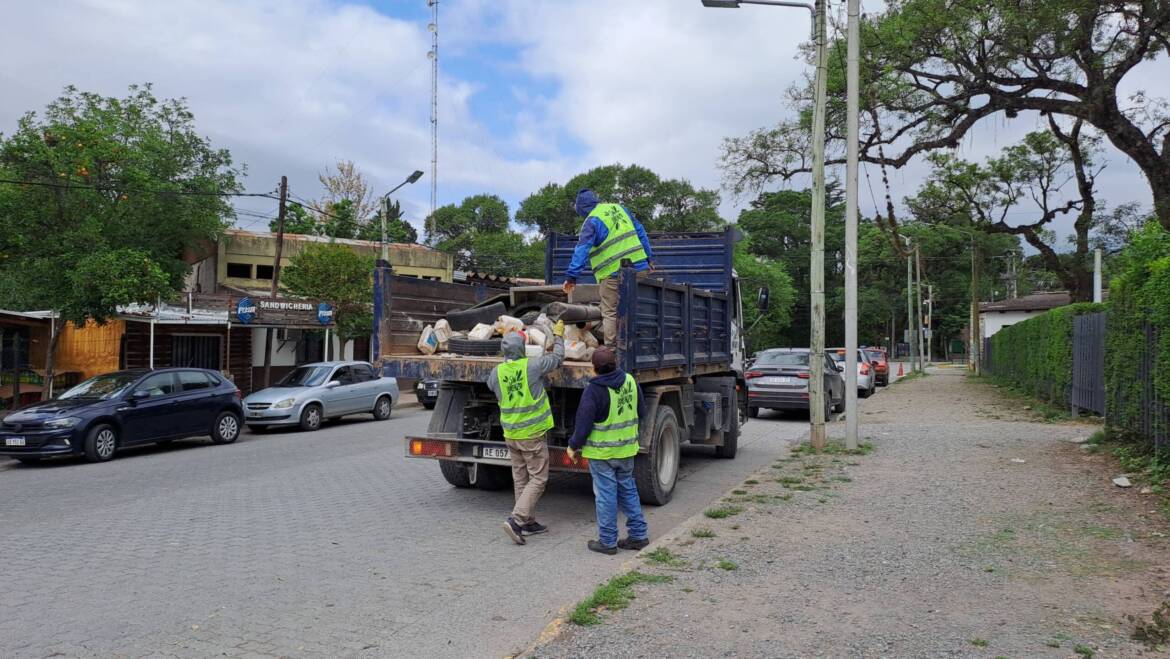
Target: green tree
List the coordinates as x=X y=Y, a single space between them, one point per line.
x=482 y=213
x=398 y=230
x=326 y=271
x=934 y=69
x=661 y=205
x=756 y=272
x=298 y=220
x=505 y=253
x=117 y=190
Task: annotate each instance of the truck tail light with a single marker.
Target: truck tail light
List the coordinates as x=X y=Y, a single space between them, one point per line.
x=561 y=457
x=432 y=448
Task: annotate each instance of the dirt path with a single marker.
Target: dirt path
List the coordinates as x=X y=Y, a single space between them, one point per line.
x=969 y=530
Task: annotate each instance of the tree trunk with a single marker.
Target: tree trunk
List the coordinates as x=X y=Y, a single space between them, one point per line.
x=55 y=326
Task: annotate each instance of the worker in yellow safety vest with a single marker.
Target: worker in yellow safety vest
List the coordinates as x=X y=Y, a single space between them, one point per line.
x=609 y=235
x=606 y=433
x=526 y=417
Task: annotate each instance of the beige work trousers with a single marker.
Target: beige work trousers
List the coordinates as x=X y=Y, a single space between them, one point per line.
x=529 y=475
x=609 y=307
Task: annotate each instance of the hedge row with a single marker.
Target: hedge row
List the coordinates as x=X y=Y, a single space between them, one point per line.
x=1138 y=331
x=1036 y=355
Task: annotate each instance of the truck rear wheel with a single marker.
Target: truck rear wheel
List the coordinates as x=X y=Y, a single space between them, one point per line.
x=656 y=471
x=456 y=473
x=448 y=418
x=730 y=438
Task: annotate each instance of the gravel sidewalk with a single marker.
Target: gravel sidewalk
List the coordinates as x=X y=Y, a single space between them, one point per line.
x=971 y=529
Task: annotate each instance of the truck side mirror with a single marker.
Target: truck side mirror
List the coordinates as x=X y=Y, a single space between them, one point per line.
x=762 y=299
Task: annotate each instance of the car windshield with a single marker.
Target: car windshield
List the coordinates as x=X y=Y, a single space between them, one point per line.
x=782 y=359
x=306 y=376
x=102 y=387
x=876 y=355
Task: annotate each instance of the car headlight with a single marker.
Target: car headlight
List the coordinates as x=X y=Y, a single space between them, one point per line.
x=58 y=424
x=287 y=402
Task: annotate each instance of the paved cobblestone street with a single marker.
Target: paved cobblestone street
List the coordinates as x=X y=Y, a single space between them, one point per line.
x=302 y=544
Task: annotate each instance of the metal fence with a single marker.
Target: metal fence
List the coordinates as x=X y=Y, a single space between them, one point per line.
x=1088 y=376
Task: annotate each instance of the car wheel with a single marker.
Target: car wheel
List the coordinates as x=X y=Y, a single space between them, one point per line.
x=382 y=408
x=311 y=417
x=101 y=443
x=753 y=412
x=226 y=428
x=29 y=460
x=429 y=406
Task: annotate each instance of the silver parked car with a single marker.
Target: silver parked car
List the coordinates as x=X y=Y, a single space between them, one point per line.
x=866 y=371
x=326 y=390
x=778 y=380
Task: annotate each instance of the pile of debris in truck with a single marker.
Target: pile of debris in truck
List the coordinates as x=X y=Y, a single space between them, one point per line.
x=466 y=332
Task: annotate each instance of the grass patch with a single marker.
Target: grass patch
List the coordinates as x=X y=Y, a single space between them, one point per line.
x=834 y=448
x=663 y=556
x=1156 y=631
x=735 y=527
x=801 y=488
x=612 y=595
x=980 y=642
x=843 y=479
x=1084 y=651
x=790 y=480
x=725 y=564
x=740 y=492
x=751 y=481
x=722 y=512
x=1052 y=643
x=702 y=533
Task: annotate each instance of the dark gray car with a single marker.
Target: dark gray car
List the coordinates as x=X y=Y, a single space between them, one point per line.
x=778 y=380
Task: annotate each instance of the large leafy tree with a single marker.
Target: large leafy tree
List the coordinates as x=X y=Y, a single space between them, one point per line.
x=327 y=271
x=660 y=204
x=398 y=230
x=476 y=231
x=932 y=70
x=767 y=329
x=483 y=213
x=111 y=193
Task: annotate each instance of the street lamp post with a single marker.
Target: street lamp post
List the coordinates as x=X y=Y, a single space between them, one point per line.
x=816 y=386
x=415 y=176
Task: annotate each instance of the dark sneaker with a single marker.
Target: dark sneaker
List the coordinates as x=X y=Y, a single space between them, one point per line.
x=596 y=546
x=514 y=530
x=633 y=543
x=534 y=528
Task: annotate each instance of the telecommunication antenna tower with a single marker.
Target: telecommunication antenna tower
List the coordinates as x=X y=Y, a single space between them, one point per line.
x=434 y=57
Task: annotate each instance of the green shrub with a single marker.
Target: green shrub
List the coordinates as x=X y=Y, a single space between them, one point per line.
x=1036 y=355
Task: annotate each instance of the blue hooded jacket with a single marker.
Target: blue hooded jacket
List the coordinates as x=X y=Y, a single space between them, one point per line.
x=593 y=233
x=594 y=405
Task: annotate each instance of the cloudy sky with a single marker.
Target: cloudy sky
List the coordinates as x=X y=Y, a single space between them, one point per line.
x=530 y=91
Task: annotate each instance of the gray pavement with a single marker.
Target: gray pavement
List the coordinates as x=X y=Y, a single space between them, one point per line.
x=303 y=544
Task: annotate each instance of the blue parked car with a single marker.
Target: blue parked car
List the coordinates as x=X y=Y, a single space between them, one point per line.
x=127 y=408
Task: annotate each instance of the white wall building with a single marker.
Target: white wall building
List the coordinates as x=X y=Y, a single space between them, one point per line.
x=994 y=316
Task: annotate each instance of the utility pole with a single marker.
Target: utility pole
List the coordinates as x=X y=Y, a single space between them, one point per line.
x=1098 y=294
x=929 y=326
x=911 y=335
x=976 y=336
x=816 y=386
x=918 y=294
x=280 y=213
x=851 y=94
x=385 y=211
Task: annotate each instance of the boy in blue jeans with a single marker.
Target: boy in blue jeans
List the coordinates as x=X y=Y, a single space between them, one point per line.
x=606 y=433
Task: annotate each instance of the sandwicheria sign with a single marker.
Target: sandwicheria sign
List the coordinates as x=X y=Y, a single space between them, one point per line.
x=275 y=311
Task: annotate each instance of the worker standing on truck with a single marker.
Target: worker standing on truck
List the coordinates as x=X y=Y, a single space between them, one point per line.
x=606 y=433
x=526 y=416
x=609 y=235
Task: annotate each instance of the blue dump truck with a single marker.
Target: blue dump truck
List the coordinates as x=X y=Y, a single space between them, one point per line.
x=680 y=333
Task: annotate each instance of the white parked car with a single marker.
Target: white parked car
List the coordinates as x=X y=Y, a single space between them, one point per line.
x=313 y=393
x=866 y=373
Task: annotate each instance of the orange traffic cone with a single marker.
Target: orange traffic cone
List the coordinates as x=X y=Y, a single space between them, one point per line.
x=901 y=372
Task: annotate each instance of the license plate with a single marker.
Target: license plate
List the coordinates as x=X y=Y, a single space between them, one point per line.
x=500 y=452
x=253 y=414
x=14 y=441
x=776 y=379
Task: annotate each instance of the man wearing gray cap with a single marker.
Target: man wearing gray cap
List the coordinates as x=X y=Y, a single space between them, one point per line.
x=526 y=417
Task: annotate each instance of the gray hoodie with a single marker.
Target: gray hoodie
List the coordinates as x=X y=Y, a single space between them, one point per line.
x=537 y=366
